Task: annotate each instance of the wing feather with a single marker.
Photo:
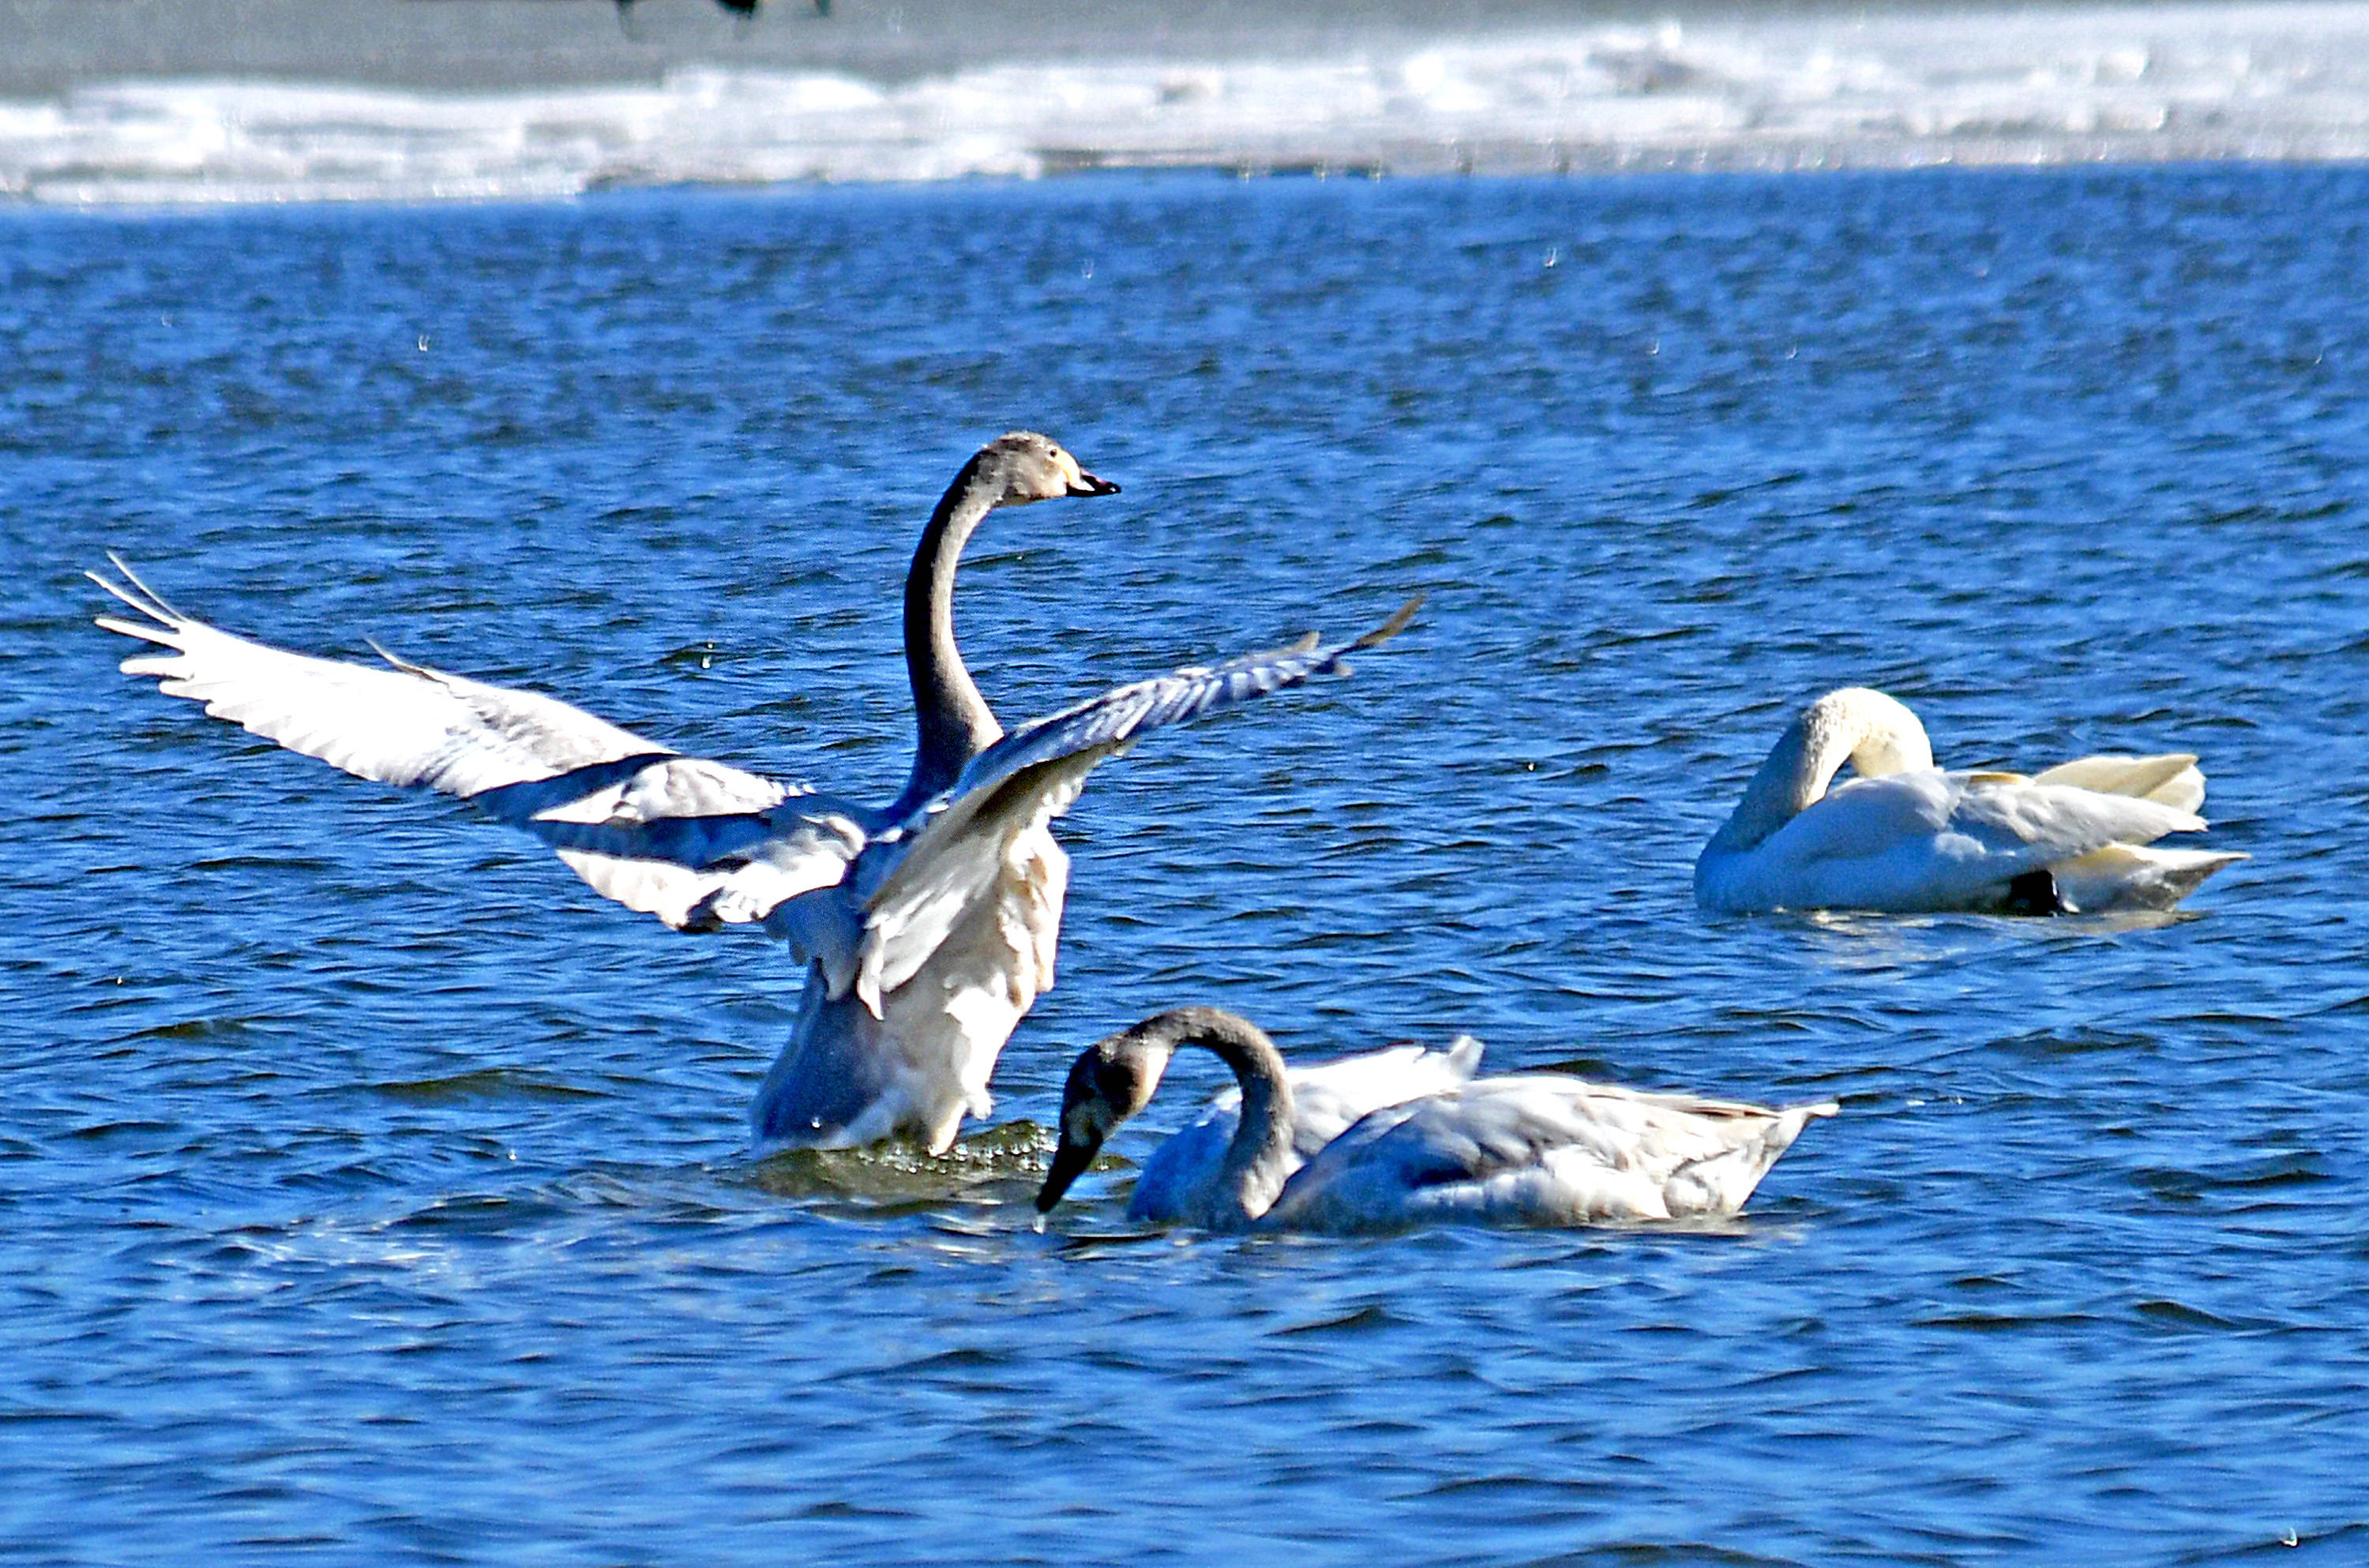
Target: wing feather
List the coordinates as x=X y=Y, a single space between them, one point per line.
x=406 y=725
x=1936 y=840
x=698 y=844
x=1123 y=713
x=1538 y=1147
x=2171 y=779
x=964 y=843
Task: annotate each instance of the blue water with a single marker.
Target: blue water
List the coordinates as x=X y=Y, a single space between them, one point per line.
x=369 y=1190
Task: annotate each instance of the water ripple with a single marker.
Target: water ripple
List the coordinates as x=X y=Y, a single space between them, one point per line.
x=371 y=1185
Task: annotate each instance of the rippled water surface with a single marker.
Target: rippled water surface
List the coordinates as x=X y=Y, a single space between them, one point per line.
x=371 y=1191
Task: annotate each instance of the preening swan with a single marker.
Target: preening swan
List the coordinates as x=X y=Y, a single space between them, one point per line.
x=1906 y=836
x=1534 y=1149
x=928 y=926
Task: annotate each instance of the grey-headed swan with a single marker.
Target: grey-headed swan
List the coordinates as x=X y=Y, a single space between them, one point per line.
x=928 y=926
x=1907 y=836
x=1533 y=1149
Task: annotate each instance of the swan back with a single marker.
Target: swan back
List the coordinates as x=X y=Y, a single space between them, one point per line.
x=1540 y=1149
x=1930 y=841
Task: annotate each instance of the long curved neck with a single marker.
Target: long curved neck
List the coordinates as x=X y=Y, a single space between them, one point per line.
x=953 y=722
x=1258 y=1161
x=1854 y=725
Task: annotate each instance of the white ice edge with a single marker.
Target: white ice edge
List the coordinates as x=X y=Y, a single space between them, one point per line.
x=2264 y=82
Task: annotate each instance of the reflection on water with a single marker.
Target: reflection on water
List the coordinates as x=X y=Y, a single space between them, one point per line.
x=989 y=1165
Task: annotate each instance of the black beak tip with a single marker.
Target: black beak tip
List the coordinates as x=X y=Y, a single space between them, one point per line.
x=1089 y=485
x=1069 y=1162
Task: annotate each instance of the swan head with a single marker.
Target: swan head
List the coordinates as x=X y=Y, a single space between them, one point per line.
x=1023 y=466
x=1879 y=734
x=1111 y=1081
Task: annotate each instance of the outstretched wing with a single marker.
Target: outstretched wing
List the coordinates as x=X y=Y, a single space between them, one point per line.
x=405 y=725
x=673 y=836
x=964 y=843
x=706 y=866
x=1118 y=716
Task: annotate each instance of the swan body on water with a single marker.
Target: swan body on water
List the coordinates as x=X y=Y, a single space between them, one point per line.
x=928 y=926
x=1532 y=1149
x=1906 y=836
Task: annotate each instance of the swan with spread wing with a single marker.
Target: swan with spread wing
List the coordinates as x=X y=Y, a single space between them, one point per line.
x=928 y=926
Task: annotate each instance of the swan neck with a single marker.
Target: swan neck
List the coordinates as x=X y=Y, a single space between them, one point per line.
x=1258 y=1161
x=1854 y=725
x=1793 y=776
x=952 y=720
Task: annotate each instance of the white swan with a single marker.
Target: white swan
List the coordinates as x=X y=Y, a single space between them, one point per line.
x=1906 y=836
x=1536 y=1149
x=928 y=926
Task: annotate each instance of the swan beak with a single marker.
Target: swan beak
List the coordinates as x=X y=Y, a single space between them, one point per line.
x=1086 y=484
x=1069 y=1162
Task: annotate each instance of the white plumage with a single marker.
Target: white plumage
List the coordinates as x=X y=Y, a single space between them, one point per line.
x=1541 y=1149
x=1908 y=836
x=1534 y=1149
x=928 y=926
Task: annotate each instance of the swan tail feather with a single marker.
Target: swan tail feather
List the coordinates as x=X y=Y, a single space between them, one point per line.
x=1723 y=1182
x=2136 y=876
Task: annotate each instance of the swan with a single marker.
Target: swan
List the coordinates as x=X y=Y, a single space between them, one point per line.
x=1907 y=836
x=1532 y=1149
x=928 y=926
